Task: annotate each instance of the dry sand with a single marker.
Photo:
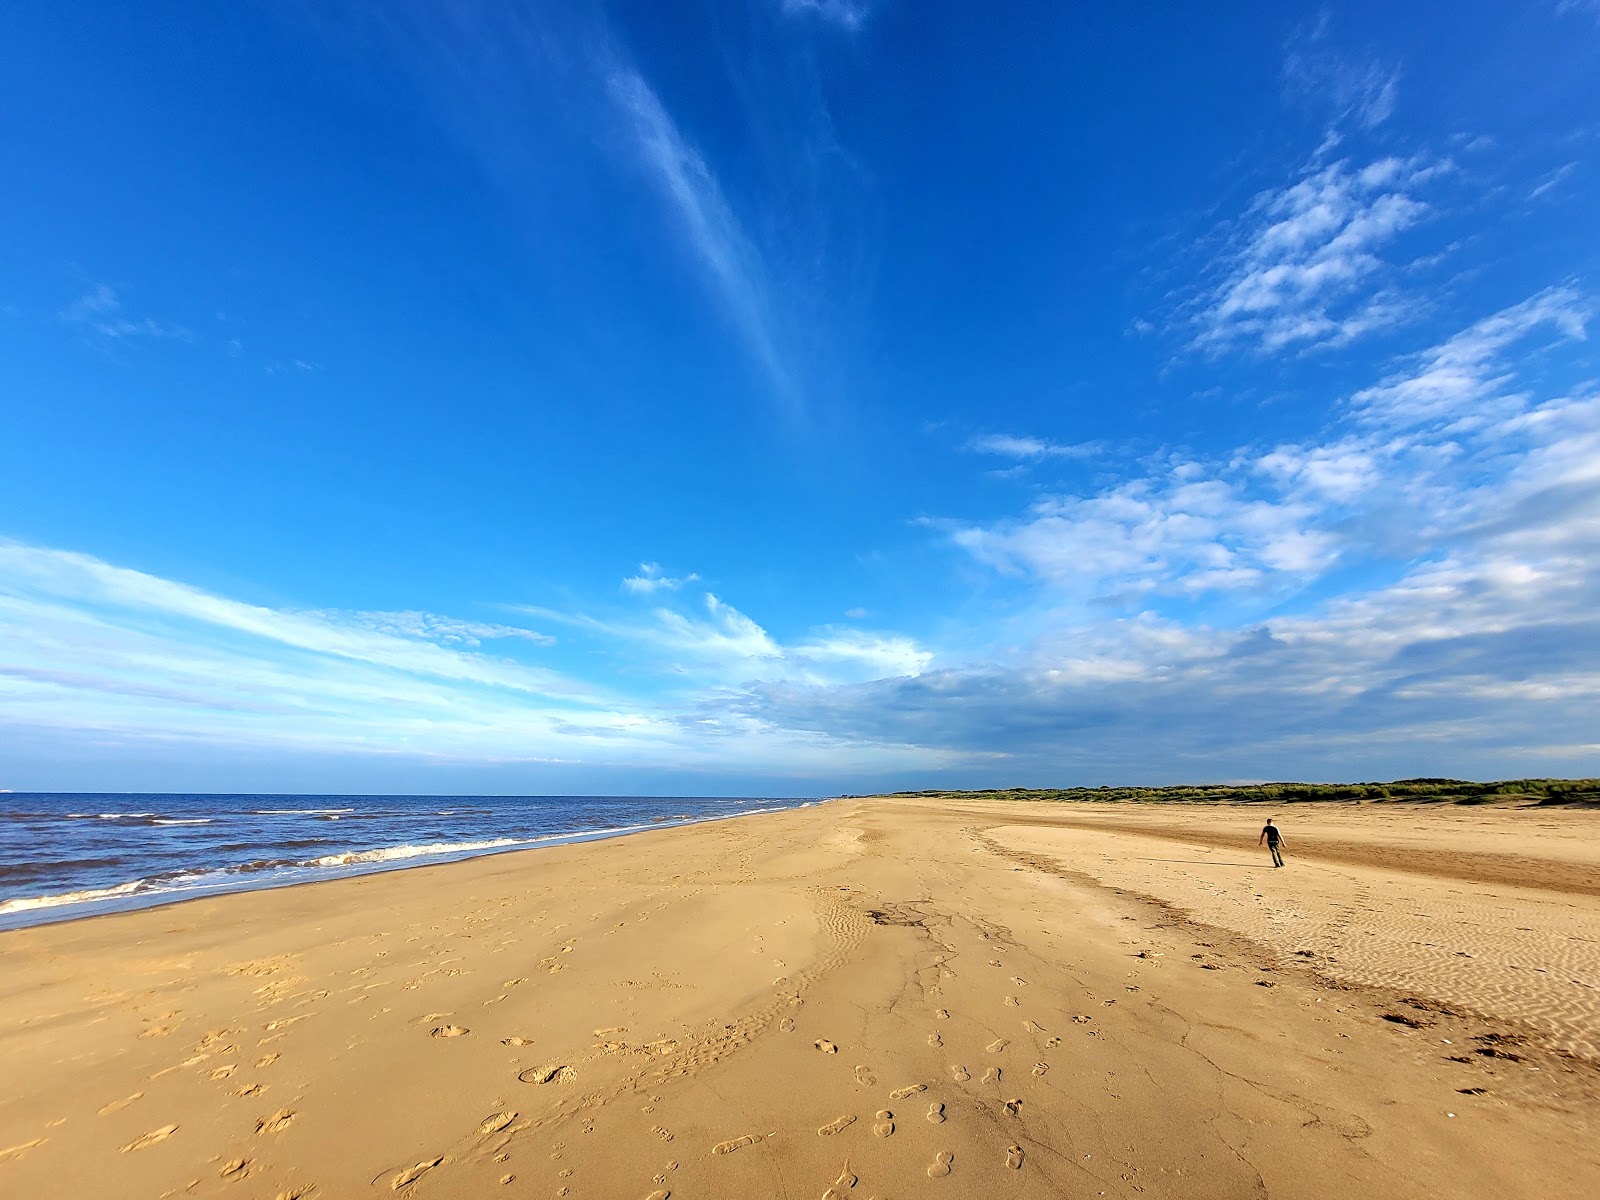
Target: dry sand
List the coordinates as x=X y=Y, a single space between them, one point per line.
x=881 y=998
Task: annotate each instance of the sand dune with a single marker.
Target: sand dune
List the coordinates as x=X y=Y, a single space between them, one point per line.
x=877 y=998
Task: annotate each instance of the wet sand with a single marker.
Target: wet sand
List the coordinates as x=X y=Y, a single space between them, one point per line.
x=876 y=998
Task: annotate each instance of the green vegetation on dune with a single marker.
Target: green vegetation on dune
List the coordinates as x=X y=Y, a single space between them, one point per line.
x=1454 y=791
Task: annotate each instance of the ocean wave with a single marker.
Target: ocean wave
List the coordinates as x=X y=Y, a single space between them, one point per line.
x=393 y=853
x=298 y=812
x=108 y=816
x=182 y=821
x=86 y=896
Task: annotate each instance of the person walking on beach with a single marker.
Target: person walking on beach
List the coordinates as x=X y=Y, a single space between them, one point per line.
x=1272 y=838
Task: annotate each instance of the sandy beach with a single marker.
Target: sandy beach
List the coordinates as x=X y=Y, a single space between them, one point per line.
x=885 y=998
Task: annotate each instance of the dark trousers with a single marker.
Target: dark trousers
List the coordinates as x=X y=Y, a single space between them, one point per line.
x=1277 y=858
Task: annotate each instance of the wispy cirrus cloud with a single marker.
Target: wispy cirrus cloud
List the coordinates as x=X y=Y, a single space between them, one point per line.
x=849 y=15
x=1358 y=89
x=651 y=578
x=710 y=229
x=1005 y=445
x=1308 y=266
x=709 y=642
x=101 y=311
x=93 y=653
x=447 y=631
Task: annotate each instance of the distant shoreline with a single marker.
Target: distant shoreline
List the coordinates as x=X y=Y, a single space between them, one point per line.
x=1529 y=792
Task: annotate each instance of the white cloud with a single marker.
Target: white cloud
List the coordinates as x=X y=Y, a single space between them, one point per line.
x=714 y=644
x=1552 y=181
x=447 y=631
x=1010 y=446
x=708 y=223
x=881 y=656
x=1306 y=269
x=1362 y=91
x=1417 y=460
x=100 y=310
x=650 y=579
x=850 y=15
x=1466 y=381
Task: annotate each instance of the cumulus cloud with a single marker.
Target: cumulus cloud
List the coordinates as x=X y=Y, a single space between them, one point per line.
x=1466 y=510
x=1413 y=457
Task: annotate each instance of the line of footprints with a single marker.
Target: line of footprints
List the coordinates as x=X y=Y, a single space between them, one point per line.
x=944 y=1161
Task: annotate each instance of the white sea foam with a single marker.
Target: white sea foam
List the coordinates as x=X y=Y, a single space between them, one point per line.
x=394 y=853
x=183 y=820
x=87 y=896
x=106 y=816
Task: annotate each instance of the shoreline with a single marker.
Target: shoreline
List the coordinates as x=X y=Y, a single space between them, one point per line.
x=881 y=997
x=88 y=903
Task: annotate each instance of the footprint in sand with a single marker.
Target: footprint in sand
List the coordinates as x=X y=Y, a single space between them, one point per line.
x=842 y=1186
x=546 y=1073
x=1014 y=1157
x=936 y=1114
x=235 y=1169
x=941 y=1014
x=1013 y=1107
x=516 y=1041
x=11 y=1152
x=411 y=1174
x=659 y=1194
x=942 y=1162
x=825 y=1046
x=224 y=1072
x=276 y=1123
x=119 y=1105
x=1012 y=1002
x=150 y=1139
x=738 y=1143
x=1053 y=1043
x=837 y=1125
x=865 y=1077
x=787 y=1024
x=992 y=1075
x=961 y=1074
x=996 y=1046
x=912 y=1090
x=496 y=1122
x=1039 y=1068
x=885 y=1125
x=250 y=1089
x=447 y=1031
x=935 y=1040
x=1019 y=981
x=266 y=1060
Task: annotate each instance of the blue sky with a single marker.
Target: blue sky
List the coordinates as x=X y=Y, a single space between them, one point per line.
x=796 y=395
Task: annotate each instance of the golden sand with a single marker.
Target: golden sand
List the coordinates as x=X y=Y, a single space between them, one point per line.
x=879 y=998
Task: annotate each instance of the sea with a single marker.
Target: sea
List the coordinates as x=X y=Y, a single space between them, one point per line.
x=80 y=854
